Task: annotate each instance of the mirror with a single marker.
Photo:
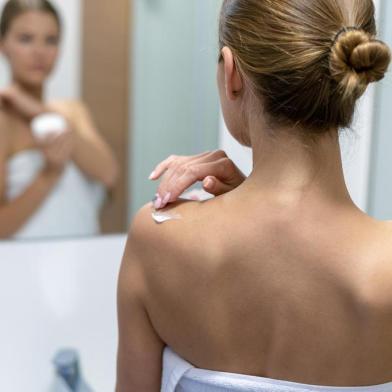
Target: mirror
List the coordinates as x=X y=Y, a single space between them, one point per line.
x=145 y=74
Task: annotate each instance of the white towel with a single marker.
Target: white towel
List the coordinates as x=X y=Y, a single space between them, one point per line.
x=72 y=207
x=180 y=376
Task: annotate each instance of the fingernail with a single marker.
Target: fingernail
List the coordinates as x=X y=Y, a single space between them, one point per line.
x=166 y=199
x=208 y=183
x=152 y=175
x=158 y=202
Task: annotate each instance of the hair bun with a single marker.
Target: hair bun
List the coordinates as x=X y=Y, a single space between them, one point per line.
x=357 y=60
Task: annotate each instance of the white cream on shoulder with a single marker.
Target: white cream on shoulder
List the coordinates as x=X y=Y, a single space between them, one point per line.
x=164 y=216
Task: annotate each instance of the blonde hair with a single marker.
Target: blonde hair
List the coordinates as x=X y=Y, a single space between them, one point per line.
x=307 y=60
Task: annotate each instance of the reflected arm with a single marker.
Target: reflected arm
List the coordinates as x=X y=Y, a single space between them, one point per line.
x=14 y=214
x=92 y=154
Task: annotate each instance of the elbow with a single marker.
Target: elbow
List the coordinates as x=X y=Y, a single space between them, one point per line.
x=112 y=176
x=8 y=227
x=6 y=233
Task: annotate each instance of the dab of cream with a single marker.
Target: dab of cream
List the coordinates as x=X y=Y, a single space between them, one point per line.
x=195 y=195
x=161 y=217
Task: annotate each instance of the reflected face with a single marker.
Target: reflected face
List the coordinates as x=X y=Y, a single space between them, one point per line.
x=31 y=46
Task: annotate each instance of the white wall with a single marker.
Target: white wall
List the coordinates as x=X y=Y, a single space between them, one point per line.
x=65 y=82
x=356 y=151
x=357 y=147
x=380 y=185
x=242 y=156
x=54 y=295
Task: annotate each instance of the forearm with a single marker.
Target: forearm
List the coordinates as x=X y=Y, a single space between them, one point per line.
x=15 y=214
x=96 y=160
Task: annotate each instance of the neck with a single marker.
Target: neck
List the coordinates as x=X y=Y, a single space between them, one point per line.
x=36 y=92
x=286 y=166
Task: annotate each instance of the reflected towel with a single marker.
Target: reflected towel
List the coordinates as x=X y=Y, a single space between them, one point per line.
x=180 y=376
x=72 y=207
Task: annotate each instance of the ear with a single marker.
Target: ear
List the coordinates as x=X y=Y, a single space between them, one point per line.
x=233 y=79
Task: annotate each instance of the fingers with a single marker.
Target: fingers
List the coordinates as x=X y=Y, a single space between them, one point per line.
x=8 y=92
x=9 y=96
x=6 y=97
x=175 y=182
x=57 y=148
x=47 y=140
x=24 y=104
x=175 y=161
x=53 y=138
x=218 y=173
x=162 y=167
x=65 y=149
x=216 y=187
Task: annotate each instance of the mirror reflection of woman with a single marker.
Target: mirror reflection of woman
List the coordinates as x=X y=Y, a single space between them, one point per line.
x=51 y=186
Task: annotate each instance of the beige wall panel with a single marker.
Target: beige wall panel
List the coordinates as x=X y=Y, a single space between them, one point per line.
x=105 y=89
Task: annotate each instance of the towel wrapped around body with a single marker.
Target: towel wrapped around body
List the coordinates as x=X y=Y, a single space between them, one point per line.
x=180 y=376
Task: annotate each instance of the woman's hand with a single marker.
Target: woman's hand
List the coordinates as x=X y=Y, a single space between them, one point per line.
x=13 y=98
x=218 y=173
x=57 y=150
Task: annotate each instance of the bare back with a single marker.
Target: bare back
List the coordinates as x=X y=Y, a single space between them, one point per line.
x=293 y=290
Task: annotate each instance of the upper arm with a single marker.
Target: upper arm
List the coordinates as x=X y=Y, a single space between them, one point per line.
x=79 y=116
x=84 y=121
x=3 y=159
x=2 y=178
x=146 y=272
x=139 y=361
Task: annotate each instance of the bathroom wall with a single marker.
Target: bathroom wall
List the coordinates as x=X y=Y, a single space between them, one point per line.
x=107 y=31
x=65 y=82
x=357 y=144
x=56 y=295
x=380 y=181
x=174 y=97
x=241 y=155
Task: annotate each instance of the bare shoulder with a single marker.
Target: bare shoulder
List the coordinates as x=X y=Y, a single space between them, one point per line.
x=184 y=238
x=5 y=119
x=71 y=108
x=388 y=260
x=388 y=225
x=379 y=278
x=181 y=217
x=5 y=123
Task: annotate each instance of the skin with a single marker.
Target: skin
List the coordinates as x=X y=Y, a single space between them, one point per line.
x=31 y=46
x=282 y=277
x=215 y=169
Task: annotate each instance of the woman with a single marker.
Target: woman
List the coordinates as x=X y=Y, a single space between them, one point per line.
x=282 y=277
x=50 y=186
